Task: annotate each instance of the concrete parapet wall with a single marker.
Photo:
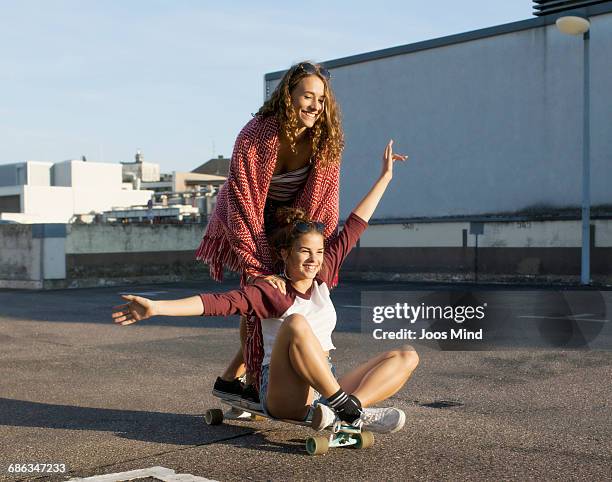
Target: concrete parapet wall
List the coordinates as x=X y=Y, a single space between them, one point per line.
x=134 y=264
x=58 y=255
x=523 y=234
x=546 y=251
x=19 y=254
x=133 y=238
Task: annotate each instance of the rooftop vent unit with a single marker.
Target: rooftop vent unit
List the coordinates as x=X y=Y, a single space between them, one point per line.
x=547 y=7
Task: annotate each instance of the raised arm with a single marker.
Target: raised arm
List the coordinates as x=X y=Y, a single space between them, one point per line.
x=368 y=204
x=357 y=222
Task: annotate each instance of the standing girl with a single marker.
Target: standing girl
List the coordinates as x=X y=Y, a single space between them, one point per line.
x=287 y=155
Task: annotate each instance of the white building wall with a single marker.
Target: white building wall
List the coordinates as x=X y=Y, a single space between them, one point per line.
x=48 y=204
x=491 y=124
x=87 y=174
x=99 y=200
x=96 y=174
x=39 y=173
x=58 y=204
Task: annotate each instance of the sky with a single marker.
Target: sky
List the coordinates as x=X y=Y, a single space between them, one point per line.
x=177 y=79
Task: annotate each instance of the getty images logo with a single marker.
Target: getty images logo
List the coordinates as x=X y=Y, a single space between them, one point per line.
x=414 y=313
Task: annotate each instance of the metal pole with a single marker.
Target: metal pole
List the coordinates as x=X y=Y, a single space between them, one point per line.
x=476 y=261
x=585 y=274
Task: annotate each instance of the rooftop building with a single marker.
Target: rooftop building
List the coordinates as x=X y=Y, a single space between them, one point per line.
x=140 y=171
x=218 y=166
x=46 y=192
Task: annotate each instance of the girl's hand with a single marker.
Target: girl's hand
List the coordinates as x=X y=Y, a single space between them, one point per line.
x=388 y=159
x=137 y=309
x=277 y=282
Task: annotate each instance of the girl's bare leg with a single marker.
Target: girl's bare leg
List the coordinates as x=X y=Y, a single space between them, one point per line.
x=237 y=367
x=298 y=362
x=382 y=376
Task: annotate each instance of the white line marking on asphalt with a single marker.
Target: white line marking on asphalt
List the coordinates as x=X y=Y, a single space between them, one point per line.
x=574 y=318
x=161 y=473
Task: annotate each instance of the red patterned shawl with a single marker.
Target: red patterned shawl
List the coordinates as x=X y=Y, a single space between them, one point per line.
x=235 y=236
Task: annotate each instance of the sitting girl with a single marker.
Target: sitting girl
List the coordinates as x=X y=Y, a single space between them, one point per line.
x=297 y=326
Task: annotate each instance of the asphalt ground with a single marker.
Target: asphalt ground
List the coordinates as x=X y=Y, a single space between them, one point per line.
x=75 y=389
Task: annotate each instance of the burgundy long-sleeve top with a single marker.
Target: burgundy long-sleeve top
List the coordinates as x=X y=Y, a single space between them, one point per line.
x=272 y=307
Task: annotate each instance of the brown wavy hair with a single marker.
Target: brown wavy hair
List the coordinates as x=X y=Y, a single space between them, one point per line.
x=326 y=135
x=284 y=236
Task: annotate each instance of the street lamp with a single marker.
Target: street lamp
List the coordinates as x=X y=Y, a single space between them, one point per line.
x=572 y=25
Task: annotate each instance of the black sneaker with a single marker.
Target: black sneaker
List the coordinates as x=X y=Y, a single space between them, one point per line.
x=250 y=398
x=229 y=390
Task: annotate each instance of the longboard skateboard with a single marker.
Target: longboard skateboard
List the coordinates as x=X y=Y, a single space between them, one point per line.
x=341 y=435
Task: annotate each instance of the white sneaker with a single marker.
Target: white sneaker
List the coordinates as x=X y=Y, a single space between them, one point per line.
x=381 y=420
x=236 y=414
x=322 y=417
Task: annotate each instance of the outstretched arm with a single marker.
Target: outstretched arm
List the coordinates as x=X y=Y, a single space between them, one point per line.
x=250 y=299
x=368 y=204
x=139 y=308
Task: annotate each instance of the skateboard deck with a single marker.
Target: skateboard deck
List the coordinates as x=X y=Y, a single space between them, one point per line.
x=341 y=435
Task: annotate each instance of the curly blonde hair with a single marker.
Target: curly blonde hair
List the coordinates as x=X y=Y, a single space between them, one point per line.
x=326 y=135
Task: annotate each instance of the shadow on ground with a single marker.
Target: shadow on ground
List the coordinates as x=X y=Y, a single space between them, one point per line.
x=146 y=426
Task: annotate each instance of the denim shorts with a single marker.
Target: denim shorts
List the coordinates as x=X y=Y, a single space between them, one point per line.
x=263 y=387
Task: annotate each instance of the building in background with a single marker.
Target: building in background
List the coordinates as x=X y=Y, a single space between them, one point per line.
x=45 y=192
x=217 y=166
x=178 y=196
x=80 y=191
x=491 y=119
x=139 y=171
x=492 y=122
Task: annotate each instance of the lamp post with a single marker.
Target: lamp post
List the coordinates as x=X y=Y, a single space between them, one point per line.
x=572 y=25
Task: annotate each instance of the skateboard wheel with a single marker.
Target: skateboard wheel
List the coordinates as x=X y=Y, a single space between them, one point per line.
x=317 y=445
x=213 y=416
x=364 y=440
